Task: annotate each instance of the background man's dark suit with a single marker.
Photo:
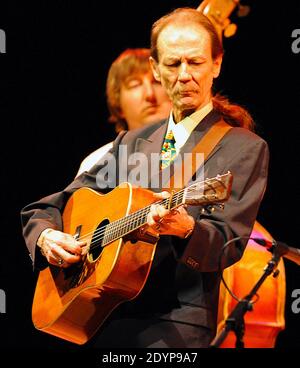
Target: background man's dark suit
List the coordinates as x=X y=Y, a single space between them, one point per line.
x=183 y=283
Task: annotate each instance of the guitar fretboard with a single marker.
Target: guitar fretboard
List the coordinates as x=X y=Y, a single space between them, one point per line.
x=214 y=190
x=119 y=228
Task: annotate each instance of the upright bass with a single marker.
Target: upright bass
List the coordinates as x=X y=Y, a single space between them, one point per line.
x=263 y=324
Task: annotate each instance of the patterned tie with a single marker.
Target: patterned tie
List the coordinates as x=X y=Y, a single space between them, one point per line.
x=168 y=151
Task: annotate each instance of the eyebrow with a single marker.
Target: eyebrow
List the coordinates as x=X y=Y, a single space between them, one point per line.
x=193 y=58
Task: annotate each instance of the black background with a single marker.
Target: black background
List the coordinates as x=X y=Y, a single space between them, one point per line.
x=53 y=113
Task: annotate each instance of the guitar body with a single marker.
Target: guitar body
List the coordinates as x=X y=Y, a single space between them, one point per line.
x=266 y=320
x=73 y=303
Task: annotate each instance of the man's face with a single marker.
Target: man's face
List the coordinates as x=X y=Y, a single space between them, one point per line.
x=185 y=67
x=143 y=100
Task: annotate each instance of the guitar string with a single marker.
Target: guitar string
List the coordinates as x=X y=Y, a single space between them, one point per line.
x=137 y=216
x=122 y=230
x=118 y=231
x=137 y=220
x=137 y=213
x=119 y=226
x=116 y=234
x=115 y=223
x=111 y=237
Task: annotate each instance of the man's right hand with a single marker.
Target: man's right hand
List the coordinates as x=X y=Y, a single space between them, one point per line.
x=59 y=248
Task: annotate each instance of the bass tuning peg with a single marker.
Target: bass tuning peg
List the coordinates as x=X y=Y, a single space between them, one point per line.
x=243 y=11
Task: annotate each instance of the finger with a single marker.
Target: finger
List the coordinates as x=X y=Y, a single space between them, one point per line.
x=175 y=215
x=157 y=212
x=150 y=219
x=174 y=212
x=56 y=261
x=59 y=252
x=85 y=249
x=152 y=216
x=52 y=260
x=71 y=245
x=162 y=195
x=161 y=211
x=66 y=241
x=179 y=211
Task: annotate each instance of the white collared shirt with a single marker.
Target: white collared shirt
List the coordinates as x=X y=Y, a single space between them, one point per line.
x=183 y=129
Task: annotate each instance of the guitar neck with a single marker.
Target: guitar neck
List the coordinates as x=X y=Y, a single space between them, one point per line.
x=207 y=192
x=119 y=228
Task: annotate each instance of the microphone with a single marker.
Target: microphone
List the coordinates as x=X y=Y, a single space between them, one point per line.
x=293 y=254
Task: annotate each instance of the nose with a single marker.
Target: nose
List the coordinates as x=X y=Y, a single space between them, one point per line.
x=184 y=75
x=149 y=91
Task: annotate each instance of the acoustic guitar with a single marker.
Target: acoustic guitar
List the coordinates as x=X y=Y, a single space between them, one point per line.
x=72 y=303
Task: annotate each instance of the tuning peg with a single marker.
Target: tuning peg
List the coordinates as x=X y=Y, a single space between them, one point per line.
x=207 y=210
x=230 y=30
x=204 y=211
x=221 y=206
x=243 y=10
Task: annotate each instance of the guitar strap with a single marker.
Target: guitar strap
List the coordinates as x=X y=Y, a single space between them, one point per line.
x=205 y=146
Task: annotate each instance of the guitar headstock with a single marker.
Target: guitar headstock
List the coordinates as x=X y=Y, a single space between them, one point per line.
x=219 y=11
x=210 y=191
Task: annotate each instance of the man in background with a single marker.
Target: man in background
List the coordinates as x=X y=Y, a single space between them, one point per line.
x=134 y=97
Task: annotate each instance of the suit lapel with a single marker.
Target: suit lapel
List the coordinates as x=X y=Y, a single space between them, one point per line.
x=153 y=144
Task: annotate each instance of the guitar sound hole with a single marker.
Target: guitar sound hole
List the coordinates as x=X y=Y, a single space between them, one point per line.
x=97 y=240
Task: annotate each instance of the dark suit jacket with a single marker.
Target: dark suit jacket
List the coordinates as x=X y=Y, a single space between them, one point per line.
x=183 y=285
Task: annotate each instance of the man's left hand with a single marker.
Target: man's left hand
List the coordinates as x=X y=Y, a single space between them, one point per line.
x=170 y=222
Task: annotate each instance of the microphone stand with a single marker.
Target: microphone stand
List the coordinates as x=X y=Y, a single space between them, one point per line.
x=235 y=321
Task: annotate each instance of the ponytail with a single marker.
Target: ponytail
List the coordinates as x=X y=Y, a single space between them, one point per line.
x=234 y=115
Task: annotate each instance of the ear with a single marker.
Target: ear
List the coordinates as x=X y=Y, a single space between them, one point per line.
x=155 y=69
x=217 y=66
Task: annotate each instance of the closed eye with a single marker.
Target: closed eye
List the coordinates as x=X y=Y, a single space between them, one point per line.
x=133 y=83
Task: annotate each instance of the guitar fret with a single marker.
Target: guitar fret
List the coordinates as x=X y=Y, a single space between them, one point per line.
x=165 y=203
x=119 y=230
x=180 y=197
x=140 y=221
x=173 y=203
x=134 y=222
x=105 y=237
x=127 y=227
